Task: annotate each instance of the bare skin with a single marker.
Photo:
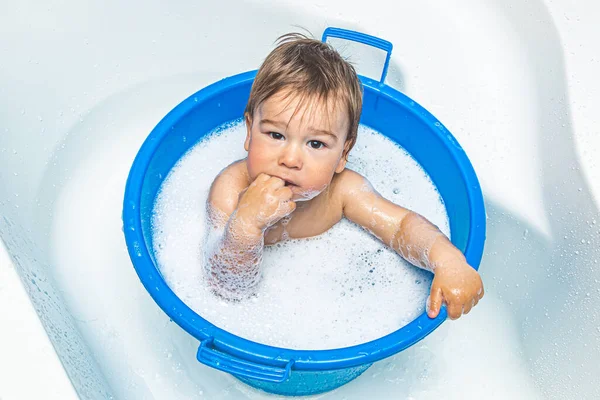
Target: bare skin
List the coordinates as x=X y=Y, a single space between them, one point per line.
x=294 y=184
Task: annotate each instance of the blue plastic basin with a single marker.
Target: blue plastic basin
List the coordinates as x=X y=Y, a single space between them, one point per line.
x=279 y=370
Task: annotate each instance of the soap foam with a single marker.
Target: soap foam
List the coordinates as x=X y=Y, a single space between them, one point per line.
x=338 y=289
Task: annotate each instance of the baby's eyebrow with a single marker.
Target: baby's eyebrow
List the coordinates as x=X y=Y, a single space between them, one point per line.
x=323 y=132
x=283 y=125
x=279 y=124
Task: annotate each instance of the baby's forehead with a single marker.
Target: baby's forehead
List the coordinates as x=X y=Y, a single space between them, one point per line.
x=302 y=109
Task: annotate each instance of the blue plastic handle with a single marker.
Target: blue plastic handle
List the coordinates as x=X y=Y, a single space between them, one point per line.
x=365 y=39
x=224 y=362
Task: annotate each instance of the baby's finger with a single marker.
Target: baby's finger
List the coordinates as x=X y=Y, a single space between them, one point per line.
x=481 y=292
x=261 y=178
x=468 y=306
x=284 y=193
x=434 y=302
x=275 y=182
x=454 y=310
x=289 y=207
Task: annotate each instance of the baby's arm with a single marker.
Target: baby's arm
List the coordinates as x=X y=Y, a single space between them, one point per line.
x=238 y=218
x=418 y=241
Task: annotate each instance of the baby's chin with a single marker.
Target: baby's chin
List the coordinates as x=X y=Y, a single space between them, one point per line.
x=301 y=194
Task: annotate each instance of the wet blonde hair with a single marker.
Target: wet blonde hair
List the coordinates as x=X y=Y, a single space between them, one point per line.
x=313 y=70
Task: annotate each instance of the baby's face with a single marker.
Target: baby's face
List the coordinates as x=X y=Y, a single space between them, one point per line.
x=302 y=144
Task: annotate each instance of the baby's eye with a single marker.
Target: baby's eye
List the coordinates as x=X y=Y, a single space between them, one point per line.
x=275 y=135
x=315 y=144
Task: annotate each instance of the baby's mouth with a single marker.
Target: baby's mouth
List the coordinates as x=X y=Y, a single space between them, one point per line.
x=288 y=183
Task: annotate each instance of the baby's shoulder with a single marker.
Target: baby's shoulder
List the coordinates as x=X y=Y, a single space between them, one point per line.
x=348 y=183
x=227 y=186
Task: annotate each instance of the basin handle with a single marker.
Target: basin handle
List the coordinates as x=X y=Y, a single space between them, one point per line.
x=365 y=39
x=209 y=356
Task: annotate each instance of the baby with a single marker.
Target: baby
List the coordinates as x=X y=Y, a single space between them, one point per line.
x=302 y=119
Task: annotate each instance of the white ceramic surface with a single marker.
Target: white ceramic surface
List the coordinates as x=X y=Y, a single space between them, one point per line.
x=83 y=83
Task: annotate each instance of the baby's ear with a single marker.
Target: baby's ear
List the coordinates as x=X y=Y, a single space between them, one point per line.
x=248 y=120
x=342 y=163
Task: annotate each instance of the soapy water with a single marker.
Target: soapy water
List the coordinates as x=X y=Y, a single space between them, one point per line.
x=338 y=289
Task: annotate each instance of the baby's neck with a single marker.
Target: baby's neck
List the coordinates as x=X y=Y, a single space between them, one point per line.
x=318 y=200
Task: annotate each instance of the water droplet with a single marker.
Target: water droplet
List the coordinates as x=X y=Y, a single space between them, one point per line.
x=137 y=249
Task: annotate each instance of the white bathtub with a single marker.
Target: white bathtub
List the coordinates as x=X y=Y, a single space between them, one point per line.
x=83 y=83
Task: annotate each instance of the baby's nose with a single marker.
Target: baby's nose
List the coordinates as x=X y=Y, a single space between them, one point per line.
x=291 y=158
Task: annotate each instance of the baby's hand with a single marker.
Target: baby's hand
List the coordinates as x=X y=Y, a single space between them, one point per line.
x=265 y=202
x=456 y=284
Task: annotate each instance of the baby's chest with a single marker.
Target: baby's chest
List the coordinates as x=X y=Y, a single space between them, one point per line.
x=300 y=226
